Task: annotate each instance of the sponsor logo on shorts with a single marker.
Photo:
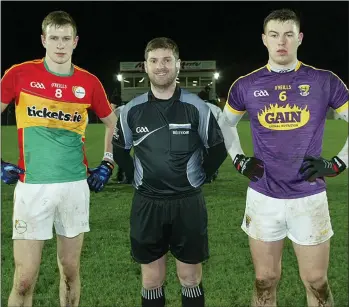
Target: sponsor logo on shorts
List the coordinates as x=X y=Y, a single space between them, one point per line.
x=20 y=226
x=247 y=221
x=59 y=115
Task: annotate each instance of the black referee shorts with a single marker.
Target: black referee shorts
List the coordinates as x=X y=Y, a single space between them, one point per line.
x=160 y=225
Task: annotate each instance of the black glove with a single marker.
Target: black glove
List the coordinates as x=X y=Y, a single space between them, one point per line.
x=313 y=168
x=212 y=178
x=121 y=177
x=251 y=167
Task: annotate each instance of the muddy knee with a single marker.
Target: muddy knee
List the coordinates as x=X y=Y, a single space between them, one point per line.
x=314 y=278
x=265 y=286
x=321 y=292
x=266 y=280
x=24 y=284
x=316 y=282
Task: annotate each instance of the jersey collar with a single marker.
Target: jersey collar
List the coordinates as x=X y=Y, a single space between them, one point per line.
x=294 y=67
x=175 y=97
x=57 y=74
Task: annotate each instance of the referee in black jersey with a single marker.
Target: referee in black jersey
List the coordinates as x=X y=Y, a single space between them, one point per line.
x=177 y=144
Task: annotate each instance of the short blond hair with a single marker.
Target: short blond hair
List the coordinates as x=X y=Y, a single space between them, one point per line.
x=58 y=19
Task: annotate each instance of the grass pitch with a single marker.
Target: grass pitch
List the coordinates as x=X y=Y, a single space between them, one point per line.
x=111 y=278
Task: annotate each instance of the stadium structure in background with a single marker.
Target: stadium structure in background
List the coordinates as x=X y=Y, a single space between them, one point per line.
x=194 y=76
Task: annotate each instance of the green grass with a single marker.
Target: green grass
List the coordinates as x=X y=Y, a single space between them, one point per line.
x=111 y=278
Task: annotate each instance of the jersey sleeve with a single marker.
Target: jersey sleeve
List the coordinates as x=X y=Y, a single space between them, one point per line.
x=100 y=104
x=235 y=102
x=339 y=94
x=209 y=130
x=122 y=136
x=8 y=86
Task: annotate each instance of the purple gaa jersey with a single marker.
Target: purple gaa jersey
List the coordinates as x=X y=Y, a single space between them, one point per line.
x=287 y=116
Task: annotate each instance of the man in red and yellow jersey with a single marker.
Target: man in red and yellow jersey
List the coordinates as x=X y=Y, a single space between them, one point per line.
x=52 y=97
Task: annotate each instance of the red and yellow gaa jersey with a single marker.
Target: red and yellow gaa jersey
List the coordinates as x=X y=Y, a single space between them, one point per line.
x=51 y=114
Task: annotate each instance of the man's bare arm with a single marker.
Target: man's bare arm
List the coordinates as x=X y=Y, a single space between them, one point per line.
x=110 y=122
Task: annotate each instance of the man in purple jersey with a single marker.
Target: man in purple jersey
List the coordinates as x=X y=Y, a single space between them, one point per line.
x=287 y=102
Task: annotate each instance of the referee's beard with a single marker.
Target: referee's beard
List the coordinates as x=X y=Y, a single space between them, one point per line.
x=163 y=83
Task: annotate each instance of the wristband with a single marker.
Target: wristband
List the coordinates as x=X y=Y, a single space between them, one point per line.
x=108 y=155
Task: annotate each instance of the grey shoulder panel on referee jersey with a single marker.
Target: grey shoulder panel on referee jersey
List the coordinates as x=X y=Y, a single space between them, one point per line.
x=204 y=113
x=123 y=134
x=195 y=173
x=118 y=110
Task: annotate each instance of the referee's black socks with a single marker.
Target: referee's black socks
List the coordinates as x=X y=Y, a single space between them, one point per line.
x=193 y=296
x=153 y=297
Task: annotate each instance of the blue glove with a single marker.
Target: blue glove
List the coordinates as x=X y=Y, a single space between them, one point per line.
x=10 y=172
x=99 y=176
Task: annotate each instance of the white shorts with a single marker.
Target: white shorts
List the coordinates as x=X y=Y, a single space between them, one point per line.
x=37 y=207
x=305 y=221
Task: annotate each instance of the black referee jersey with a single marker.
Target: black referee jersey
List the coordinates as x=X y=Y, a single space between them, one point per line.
x=177 y=143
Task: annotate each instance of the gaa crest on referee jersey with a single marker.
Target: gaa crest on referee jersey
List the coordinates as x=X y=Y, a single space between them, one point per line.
x=304 y=89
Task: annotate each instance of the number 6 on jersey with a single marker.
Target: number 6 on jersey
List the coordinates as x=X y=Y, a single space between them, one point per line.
x=282 y=96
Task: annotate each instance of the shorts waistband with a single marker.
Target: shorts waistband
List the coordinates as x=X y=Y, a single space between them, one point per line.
x=169 y=197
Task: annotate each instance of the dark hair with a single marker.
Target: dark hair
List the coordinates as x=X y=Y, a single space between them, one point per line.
x=204 y=95
x=162 y=43
x=59 y=19
x=282 y=15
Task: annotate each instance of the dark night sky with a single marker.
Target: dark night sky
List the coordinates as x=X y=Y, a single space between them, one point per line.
x=228 y=32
